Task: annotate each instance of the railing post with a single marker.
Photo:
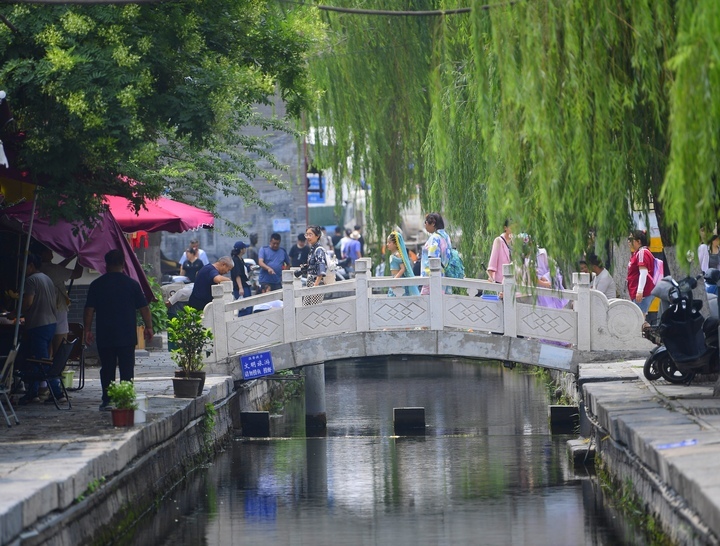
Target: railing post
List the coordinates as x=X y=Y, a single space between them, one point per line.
x=436 y=295
x=584 y=327
x=362 y=293
x=219 y=328
x=509 y=303
x=288 y=290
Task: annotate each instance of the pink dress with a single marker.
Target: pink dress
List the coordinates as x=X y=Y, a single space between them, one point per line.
x=499 y=256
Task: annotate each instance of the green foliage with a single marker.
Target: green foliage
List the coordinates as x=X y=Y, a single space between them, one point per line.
x=374 y=73
x=157 y=92
x=158 y=309
x=93 y=486
x=564 y=115
x=122 y=395
x=190 y=337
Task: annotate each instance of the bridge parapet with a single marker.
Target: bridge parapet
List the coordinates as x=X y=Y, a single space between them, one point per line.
x=588 y=323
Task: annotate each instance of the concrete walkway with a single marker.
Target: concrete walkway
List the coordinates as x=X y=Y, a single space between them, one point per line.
x=52 y=457
x=664 y=438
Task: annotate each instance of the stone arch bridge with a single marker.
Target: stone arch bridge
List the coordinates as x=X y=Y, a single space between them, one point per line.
x=357 y=319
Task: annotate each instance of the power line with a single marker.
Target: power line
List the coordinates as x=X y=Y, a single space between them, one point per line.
x=393 y=13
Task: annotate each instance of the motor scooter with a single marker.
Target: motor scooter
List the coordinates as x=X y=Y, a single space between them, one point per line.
x=687 y=342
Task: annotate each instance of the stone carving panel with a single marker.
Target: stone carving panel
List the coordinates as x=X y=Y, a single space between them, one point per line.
x=326 y=319
x=473 y=313
x=616 y=325
x=400 y=312
x=255 y=330
x=545 y=323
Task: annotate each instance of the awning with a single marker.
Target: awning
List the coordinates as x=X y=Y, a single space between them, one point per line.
x=89 y=245
x=162 y=214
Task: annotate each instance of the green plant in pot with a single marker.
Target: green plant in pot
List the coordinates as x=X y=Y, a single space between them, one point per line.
x=123 y=399
x=190 y=339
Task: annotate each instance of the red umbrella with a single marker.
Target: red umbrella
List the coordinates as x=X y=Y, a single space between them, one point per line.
x=89 y=245
x=162 y=214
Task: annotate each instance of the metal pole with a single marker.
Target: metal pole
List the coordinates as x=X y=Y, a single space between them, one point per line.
x=16 y=335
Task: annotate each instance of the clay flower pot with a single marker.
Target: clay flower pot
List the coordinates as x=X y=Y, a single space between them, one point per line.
x=123 y=417
x=186 y=387
x=200 y=375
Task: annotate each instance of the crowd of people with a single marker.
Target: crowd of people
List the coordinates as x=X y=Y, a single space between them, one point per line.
x=114 y=299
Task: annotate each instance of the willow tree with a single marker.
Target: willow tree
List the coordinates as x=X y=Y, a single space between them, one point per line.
x=564 y=115
x=374 y=73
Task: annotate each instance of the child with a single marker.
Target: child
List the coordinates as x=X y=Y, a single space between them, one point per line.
x=400 y=265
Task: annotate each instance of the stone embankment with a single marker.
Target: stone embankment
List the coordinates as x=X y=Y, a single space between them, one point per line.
x=660 y=440
x=70 y=477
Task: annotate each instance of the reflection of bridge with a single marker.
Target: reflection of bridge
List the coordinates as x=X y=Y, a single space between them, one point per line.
x=362 y=321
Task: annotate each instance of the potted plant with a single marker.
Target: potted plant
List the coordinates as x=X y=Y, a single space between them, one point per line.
x=124 y=402
x=189 y=338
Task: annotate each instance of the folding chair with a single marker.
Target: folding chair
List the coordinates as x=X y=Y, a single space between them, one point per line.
x=77 y=357
x=5 y=384
x=49 y=370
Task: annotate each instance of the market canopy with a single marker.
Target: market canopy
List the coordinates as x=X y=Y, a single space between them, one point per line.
x=89 y=244
x=162 y=214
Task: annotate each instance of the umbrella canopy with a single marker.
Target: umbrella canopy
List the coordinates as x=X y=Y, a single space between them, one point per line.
x=162 y=214
x=89 y=245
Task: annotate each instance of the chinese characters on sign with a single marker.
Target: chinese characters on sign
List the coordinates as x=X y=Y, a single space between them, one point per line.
x=256 y=365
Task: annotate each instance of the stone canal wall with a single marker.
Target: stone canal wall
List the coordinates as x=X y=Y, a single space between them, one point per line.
x=124 y=476
x=657 y=441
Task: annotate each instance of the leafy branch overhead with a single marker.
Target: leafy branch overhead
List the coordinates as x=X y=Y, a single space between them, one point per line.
x=156 y=92
x=563 y=115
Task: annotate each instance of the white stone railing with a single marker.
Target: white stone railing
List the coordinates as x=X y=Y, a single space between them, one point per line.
x=590 y=323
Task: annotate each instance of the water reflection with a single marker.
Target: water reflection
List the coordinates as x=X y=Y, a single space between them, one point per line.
x=486 y=472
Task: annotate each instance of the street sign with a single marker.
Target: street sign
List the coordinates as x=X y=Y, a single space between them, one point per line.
x=257 y=365
x=281 y=225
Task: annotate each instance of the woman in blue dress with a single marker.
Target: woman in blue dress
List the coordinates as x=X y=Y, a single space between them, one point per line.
x=400 y=265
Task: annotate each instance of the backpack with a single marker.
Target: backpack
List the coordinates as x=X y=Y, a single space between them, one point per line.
x=658 y=270
x=455 y=268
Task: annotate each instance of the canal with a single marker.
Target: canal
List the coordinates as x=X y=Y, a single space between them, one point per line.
x=487 y=470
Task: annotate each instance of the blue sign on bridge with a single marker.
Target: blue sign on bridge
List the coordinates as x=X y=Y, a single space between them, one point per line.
x=257 y=365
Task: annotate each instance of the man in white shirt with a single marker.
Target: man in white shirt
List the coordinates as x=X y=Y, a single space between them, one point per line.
x=195 y=243
x=603 y=281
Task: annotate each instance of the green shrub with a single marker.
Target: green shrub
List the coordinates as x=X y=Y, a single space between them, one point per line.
x=122 y=395
x=190 y=338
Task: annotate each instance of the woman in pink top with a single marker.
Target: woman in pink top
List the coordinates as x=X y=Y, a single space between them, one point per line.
x=500 y=254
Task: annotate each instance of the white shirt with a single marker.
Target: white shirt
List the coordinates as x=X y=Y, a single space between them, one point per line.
x=703 y=257
x=182 y=295
x=604 y=282
x=275 y=304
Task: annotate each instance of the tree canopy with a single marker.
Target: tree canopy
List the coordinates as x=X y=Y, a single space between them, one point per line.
x=156 y=92
x=564 y=115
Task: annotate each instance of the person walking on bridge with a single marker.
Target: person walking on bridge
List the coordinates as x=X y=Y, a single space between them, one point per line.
x=438 y=245
x=500 y=254
x=316 y=265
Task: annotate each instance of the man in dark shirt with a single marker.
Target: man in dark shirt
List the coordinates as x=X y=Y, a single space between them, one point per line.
x=208 y=276
x=336 y=242
x=116 y=299
x=299 y=252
